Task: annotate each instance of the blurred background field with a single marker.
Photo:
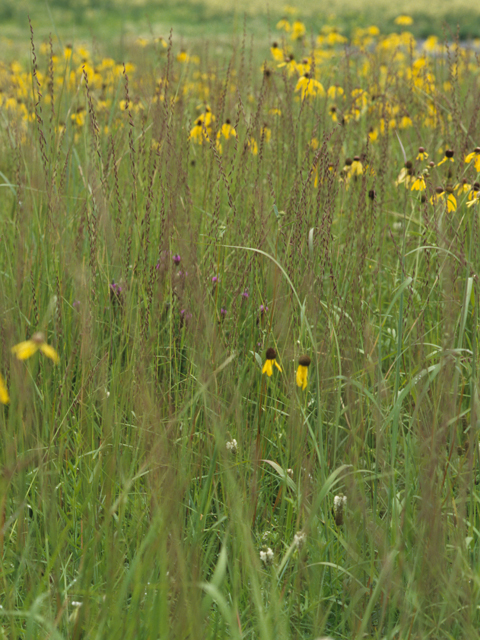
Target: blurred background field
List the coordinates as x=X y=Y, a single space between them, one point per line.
x=119 y=20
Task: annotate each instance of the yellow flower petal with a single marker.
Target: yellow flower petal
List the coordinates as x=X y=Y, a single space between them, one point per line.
x=302 y=373
x=49 y=352
x=24 y=350
x=4 y=397
x=278 y=366
x=268 y=368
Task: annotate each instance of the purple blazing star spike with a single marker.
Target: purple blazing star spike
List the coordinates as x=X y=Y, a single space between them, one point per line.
x=223 y=311
x=177 y=259
x=245 y=294
x=214 y=279
x=263 y=309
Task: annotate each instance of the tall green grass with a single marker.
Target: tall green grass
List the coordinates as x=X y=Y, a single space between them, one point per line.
x=122 y=511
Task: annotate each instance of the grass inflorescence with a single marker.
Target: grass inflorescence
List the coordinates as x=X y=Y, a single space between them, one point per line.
x=254 y=279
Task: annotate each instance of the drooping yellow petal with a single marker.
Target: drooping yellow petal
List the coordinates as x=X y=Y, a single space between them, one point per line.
x=4 y=397
x=24 y=350
x=278 y=366
x=451 y=203
x=49 y=352
x=302 y=373
x=268 y=368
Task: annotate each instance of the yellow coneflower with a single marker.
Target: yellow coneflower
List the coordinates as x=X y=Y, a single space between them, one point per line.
x=463 y=187
x=276 y=52
x=270 y=360
x=447 y=157
x=284 y=24
x=406 y=175
x=475 y=156
x=439 y=196
x=356 y=168
x=227 y=131
x=309 y=86
x=26 y=349
x=422 y=154
x=302 y=371
x=298 y=30
x=403 y=20
x=4 y=397
x=474 y=195
x=419 y=184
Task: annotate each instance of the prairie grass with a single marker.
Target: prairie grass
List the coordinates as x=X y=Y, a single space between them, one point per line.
x=166 y=221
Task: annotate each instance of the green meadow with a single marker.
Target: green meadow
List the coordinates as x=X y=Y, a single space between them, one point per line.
x=239 y=302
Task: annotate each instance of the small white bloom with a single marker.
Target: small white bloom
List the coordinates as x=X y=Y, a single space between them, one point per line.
x=339 y=504
x=290 y=472
x=266 y=556
x=232 y=446
x=299 y=539
x=75 y=603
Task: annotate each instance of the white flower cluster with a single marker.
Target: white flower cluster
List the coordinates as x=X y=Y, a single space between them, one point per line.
x=232 y=446
x=339 y=502
x=299 y=539
x=266 y=556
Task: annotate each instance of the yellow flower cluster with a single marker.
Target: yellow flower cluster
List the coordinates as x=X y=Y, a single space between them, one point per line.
x=302 y=370
x=23 y=351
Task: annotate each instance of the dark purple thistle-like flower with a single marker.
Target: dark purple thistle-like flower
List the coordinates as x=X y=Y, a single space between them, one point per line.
x=214 y=279
x=223 y=312
x=245 y=294
x=177 y=259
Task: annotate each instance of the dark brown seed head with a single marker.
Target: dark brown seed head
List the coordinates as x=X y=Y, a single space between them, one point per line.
x=421 y=150
x=356 y=158
x=274 y=45
x=304 y=361
x=449 y=153
x=271 y=353
x=227 y=121
x=476 y=186
x=348 y=162
x=449 y=188
x=408 y=164
x=439 y=189
x=431 y=164
x=372 y=194
x=477 y=150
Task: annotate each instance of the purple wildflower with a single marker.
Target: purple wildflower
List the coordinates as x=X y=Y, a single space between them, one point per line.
x=177 y=259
